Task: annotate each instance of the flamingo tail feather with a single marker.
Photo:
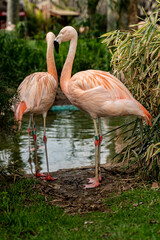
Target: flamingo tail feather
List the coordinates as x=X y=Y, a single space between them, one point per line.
x=19 y=111
x=148 y=116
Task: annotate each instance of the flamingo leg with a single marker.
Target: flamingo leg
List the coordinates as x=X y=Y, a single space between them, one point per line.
x=29 y=134
x=38 y=174
x=94 y=182
x=35 y=145
x=19 y=125
x=99 y=149
x=48 y=177
x=29 y=141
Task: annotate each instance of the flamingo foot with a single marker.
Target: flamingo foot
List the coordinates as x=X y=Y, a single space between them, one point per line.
x=92 y=185
x=38 y=174
x=92 y=180
x=48 y=178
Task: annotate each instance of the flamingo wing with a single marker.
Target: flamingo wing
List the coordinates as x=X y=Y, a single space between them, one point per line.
x=91 y=79
x=36 y=93
x=35 y=87
x=101 y=94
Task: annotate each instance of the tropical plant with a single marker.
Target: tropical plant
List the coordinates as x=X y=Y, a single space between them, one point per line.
x=136 y=57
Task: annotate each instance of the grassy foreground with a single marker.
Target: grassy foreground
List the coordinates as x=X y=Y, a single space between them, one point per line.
x=24 y=214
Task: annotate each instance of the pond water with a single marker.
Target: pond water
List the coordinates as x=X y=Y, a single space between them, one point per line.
x=70 y=142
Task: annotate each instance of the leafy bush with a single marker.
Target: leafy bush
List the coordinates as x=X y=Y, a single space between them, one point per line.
x=136 y=55
x=19 y=58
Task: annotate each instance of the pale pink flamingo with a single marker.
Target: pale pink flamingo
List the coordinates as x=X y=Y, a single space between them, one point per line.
x=36 y=96
x=96 y=92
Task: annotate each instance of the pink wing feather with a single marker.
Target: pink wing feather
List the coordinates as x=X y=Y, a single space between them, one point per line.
x=98 y=89
x=94 y=78
x=35 y=89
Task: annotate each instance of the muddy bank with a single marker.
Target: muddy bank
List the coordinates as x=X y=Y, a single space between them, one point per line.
x=68 y=192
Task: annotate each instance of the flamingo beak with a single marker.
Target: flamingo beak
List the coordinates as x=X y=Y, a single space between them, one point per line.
x=56 y=45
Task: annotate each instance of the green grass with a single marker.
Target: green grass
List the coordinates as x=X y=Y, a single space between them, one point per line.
x=24 y=214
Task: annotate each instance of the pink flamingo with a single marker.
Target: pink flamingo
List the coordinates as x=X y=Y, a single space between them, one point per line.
x=96 y=92
x=36 y=96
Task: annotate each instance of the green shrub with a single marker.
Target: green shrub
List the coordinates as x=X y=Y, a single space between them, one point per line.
x=19 y=58
x=136 y=55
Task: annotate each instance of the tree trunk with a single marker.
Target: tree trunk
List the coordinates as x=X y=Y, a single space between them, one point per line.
x=128 y=14
x=132 y=12
x=92 y=7
x=12 y=11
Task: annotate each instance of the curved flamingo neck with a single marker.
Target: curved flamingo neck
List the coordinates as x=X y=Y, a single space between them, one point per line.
x=67 y=68
x=51 y=67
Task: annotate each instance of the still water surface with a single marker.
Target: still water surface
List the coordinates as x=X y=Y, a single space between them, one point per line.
x=70 y=142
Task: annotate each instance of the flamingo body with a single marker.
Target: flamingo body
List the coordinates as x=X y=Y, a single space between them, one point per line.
x=36 y=96
x=101 y=95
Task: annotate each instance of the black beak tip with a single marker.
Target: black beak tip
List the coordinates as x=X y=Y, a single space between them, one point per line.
x=56 y=45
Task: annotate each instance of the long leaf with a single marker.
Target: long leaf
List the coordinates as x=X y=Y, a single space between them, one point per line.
x=131 y=47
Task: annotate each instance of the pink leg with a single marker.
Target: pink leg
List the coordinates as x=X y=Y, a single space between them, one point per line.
x=29 y=134
x=29 y=145
x=95 y=182
x=92 y=180
x=99 y=150
x=37 y=174
x=48 y=177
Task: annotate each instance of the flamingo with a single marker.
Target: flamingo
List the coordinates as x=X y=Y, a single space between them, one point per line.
x=36 y=96
x=96 y=92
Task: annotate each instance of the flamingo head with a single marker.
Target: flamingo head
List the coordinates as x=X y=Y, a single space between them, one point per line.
x=66 y=34
x=50 y=35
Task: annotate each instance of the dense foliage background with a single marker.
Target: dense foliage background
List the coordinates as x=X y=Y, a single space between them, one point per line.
x=135 y=57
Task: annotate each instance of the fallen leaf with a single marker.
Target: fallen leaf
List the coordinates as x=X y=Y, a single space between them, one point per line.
x=89 y=222
x=75 y=229
x=153 y=221
x=155 y=185
x=135 y=204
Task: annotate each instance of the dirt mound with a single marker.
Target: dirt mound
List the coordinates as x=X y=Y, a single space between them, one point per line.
x=68 y=192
